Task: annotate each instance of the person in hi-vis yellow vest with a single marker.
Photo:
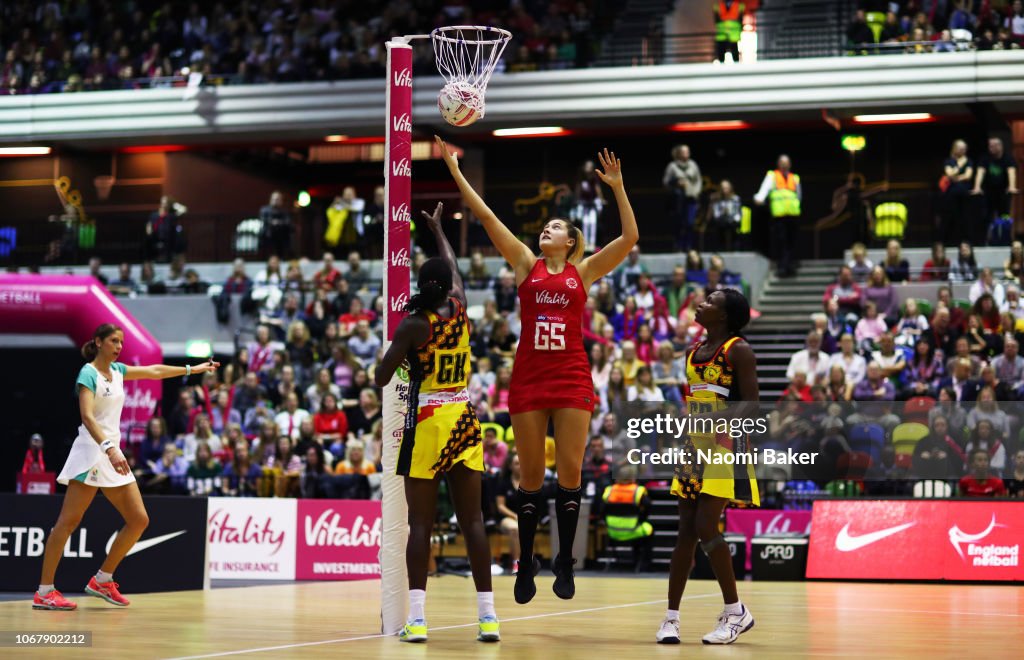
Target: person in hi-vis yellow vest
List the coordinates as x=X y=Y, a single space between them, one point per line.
x=625 y=506
x=782 y=189
x=728 y=28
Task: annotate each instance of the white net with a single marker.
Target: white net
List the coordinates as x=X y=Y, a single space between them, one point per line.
x=468 y=53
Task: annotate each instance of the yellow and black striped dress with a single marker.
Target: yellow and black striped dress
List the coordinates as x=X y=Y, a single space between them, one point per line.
x=441 y=428
x=710 y=386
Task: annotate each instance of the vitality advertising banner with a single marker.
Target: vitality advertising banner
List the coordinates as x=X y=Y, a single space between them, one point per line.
x=286 y=539
x=175 y=538
x=762 y=522
x=338 y=540
x=917 y=540
x=252 y=538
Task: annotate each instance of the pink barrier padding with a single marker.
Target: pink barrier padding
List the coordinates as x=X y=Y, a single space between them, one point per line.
x=75 y=306
x=398 y=194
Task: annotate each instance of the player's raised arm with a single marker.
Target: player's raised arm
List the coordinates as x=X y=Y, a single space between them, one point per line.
x=511 y=248
x=446 y=252
x=597 y=266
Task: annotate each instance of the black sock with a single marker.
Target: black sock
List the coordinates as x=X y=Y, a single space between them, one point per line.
x=530 y=503
x=567 y=507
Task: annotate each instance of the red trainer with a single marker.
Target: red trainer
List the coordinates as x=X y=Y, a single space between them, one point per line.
x=107 y=591
x=54 y=600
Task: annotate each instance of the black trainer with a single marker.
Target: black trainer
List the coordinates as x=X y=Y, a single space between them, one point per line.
x=564 y=585
x=526 y=588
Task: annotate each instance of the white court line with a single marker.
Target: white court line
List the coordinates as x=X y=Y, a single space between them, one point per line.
x=461 y=625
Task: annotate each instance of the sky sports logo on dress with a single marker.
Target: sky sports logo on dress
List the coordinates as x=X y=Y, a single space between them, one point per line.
x=401 y=168
x=399 y=302
x=403 y=78
x=546 y=298
x=402 y=124
x=400 y=258
x=983 y=555
x=401 y=213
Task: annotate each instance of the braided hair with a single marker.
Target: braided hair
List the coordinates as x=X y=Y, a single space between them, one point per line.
x=434 y=283
x=737 y=311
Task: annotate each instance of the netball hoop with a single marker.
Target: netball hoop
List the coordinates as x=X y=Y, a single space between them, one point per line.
x=466 y=55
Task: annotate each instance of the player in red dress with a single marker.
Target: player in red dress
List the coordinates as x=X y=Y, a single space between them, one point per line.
x=551 y=379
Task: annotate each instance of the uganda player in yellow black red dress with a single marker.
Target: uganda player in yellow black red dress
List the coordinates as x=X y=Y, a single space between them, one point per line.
x=721 y=375
x=442 y=434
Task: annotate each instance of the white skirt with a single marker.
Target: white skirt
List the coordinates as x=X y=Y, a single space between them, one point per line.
x=86 y=458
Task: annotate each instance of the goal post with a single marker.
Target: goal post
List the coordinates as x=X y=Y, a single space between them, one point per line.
x=398 y=214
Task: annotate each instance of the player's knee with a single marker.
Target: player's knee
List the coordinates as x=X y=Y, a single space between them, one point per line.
x=139 y=521
x=687 y=536
x=532 y=478
x=419 y=532
x=711 y=543
x=65 y=525
x=570 y=477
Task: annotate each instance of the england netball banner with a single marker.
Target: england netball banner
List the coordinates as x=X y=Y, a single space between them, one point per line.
x=338 y=540
x=917 y=540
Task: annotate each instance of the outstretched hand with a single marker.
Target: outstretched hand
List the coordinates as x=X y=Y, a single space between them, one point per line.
x=612 y=166
x=434 y=221
x=209 y=365
x=449 y=158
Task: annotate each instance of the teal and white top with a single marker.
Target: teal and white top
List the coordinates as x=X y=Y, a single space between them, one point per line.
x=107 y=405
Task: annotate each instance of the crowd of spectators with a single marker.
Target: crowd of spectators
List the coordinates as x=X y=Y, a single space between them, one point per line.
x=926 y=26
x=943 y=374
x=295 y=411
x=101 y=44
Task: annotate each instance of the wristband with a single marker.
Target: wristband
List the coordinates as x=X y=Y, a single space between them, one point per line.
x=107 y=444
x=188 y=370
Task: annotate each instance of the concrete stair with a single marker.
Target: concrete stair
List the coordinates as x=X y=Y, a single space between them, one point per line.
x=634 y=23
x=786 y=305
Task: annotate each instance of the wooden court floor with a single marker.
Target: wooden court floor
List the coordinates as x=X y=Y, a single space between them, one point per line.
x=609 y=618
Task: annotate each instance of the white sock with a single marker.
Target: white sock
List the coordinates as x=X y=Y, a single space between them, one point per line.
x=734 y=608
x=102 y=577
x=417 y=600
x=672 y=615
x=485 y=604
x=44 y=589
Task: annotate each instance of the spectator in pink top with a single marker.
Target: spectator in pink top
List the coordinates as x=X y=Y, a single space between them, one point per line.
x=498 y=396
x=869 y=328
x=495 y=450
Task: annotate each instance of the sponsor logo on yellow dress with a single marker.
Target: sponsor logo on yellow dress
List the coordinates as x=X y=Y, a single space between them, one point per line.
x=712 y=373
